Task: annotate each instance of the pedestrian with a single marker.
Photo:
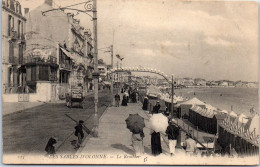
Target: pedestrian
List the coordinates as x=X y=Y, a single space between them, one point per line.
x=117 y=99
x=50 y=149
x=191 y=145
x=156 y=108
x=173 y=132
x=133 y=95
x=145 y=104
x=79 y=133
x=124 y=101
x=137 y=141
x=156 y=143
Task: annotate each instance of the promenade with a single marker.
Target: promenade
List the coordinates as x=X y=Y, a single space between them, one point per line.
x=114 y=141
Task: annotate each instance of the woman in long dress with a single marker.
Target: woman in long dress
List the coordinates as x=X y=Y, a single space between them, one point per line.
x=145 y=104
x=156 y=143
x=124 y=101
x=137 y=140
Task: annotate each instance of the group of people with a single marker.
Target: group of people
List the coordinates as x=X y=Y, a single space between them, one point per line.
x=133 y=97
x=172 y=132
x=156 y=108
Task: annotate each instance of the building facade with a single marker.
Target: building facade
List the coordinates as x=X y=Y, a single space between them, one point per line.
x=58 y=54
x=13 y=46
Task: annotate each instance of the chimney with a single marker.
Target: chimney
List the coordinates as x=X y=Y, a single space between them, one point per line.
x=48 y=2
x=26 y=10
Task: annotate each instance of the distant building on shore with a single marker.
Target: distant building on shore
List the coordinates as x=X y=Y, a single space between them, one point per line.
x=188 y=81
x=199 y=82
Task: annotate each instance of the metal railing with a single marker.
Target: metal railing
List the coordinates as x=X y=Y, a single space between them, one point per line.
x=38 y=59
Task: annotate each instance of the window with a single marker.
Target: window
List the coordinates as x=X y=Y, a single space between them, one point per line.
x=33 y=73
x=9 y=25
x=19 y=29
x=10 y=76
x=11 y=52
x=43 y=73
x=20 y=54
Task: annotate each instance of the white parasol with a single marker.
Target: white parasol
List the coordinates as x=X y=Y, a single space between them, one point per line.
x=159 y=122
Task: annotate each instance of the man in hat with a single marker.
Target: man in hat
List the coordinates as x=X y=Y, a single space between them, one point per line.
x=173 y=132
x=157 y=107
x=79 y=133
x=117 y=99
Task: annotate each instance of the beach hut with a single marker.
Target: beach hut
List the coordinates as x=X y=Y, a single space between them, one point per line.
x=217 y=119
x=186 y=105
x=192 y=114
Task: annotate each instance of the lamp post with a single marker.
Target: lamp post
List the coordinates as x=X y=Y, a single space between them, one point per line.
x=89 y=8
x=172 y=97
x=96 y=76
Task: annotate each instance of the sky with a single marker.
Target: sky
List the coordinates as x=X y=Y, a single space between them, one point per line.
x=213 y=40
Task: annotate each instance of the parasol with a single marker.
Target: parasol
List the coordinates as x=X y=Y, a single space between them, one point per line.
x=135 y=123
x=159 y=122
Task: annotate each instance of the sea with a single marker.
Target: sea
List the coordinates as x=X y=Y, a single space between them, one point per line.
x=240 y=100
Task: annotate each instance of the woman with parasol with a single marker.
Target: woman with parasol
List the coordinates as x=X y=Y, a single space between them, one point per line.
x=137 y=141
x=156 y=143
x=135 y=123
x=158 y=123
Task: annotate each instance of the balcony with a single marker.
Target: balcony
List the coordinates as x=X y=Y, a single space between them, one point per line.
x=14 y=35
x=53 y=77
x=65 y=65
x=39 y=59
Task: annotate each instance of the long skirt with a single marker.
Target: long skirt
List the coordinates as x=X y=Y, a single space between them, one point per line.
x=124 y=102
x=145 y=105
x=138 y=145
x=156 y=143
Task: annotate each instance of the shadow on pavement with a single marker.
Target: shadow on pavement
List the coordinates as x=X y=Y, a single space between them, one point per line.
x=124 y=148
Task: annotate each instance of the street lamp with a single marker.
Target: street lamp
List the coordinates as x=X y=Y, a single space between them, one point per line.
x=89 y=7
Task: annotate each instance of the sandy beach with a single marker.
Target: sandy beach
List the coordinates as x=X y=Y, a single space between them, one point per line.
x=242 y=99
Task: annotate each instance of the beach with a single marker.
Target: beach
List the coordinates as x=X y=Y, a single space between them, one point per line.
x=242 y=99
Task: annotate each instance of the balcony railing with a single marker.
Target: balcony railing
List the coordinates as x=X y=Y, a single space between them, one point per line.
x=38 y=59
x=53 y=77
x=66 y=65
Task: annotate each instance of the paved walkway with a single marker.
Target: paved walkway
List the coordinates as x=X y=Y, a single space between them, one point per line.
x=114 y=139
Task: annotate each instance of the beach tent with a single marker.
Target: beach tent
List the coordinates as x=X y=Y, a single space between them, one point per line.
x=186 y=105
x=233 y=114
x=223 y=111
x=240 y=121
x=252 y=125
x=210 y=107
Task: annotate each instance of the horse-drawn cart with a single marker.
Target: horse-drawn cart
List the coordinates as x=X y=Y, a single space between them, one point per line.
x=75 y=95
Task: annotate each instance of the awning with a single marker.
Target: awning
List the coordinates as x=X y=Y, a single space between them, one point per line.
x=66 y=52
x=75 y=57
